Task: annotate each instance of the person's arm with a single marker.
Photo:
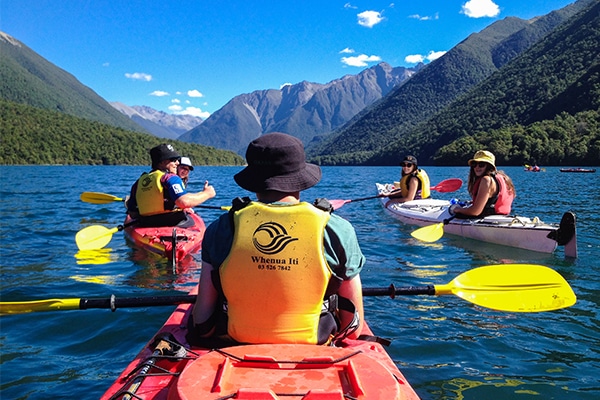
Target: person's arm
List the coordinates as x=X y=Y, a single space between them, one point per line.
x=190 y=200
x=206 y=302
x=481 y=198
x=413 y=185
x=352 y=289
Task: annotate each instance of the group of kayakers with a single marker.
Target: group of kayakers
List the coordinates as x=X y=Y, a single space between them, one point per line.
x=278 y=269
x=492 y=191
x=285 y=271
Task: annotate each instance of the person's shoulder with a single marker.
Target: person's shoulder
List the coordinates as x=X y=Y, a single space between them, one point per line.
x=337 y=222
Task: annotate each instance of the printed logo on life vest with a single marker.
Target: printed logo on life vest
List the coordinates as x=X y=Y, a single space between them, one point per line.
x=146 y=181
x=276 y=237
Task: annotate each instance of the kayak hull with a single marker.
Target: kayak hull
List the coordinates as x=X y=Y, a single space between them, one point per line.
x=356 y=369
x=514 y=231
x=159 y=240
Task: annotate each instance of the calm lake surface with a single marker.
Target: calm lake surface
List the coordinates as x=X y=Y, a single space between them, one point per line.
x=446 y=347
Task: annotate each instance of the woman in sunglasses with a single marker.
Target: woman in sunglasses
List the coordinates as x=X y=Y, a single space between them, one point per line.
x=492 y=191
x=414 y=182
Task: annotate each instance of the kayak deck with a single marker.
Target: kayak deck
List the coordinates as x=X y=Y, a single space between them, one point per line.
x=514 y=231
x=357 y=369
x=159 y=240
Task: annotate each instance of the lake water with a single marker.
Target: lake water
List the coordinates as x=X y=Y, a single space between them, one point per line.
x=446 y=347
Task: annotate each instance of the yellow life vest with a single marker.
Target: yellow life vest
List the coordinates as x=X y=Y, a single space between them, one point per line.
x=149 y=194
x=276 y=275
x=422 y=176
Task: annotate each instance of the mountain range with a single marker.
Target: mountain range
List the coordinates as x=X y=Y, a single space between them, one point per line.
x=500 y=88
x=159 y=123
x=305 y=110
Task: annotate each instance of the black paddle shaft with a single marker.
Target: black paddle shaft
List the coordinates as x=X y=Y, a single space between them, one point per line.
x=113 y=302
x=393 y=291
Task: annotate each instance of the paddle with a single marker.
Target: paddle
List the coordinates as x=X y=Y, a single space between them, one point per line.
x=508 y=287
x=97 y=236
x=431 y=233
x=105 y=198
x=445 y=186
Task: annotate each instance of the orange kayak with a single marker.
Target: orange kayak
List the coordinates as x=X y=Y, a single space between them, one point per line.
x=171 y=242
x=168 y=368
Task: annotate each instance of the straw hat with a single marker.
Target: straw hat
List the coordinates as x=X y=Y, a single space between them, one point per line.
x=485 y=156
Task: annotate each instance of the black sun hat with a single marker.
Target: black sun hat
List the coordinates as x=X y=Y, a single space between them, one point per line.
x=276 y=161
x=161 y=153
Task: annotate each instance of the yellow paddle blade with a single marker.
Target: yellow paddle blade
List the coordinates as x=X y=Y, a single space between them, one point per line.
x=429 y=233
x=98 y=198
x=94 y=237
x=18 y=307
x=512 y=287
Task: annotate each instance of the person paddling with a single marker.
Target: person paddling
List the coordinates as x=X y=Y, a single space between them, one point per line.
x=285 y=271
x=492 y=191
x=159 y=197
x=414 y=182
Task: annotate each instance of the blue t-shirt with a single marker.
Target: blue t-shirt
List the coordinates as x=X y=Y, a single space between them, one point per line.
x=341 y=248
x=174 y=187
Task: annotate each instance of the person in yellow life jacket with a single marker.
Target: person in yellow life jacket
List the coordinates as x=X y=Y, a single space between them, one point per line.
x=285 y=271
x=159 y=197
x=414 y=182
x=492 y=191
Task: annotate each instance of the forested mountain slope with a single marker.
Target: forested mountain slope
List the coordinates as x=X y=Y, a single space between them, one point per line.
x=389 y=122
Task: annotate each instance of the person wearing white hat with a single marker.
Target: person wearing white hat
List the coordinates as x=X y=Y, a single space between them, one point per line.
x=184 y=168
x=159 y=197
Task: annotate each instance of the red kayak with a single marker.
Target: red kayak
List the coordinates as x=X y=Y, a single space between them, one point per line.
x=172 y=242
x=167 y=368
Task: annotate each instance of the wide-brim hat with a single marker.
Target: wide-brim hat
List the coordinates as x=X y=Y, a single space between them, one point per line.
x=485 y=156
x=186 y=162
x=163 y=152
x=276 y=161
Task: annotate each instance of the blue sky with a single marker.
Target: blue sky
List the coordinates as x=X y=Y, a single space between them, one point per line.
x=194 y=56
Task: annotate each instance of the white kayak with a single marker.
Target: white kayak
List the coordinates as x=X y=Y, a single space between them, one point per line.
x=515 y=231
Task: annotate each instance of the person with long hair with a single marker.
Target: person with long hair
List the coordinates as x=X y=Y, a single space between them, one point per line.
x=414 y=182
x=492 y=191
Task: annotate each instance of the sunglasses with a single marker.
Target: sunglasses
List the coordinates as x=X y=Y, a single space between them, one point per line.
x=480 y=164
x=406 y=164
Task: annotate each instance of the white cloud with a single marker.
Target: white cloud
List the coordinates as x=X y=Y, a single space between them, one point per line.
x=348 y=5
x=424 y=17
x=106 y=64
x=159 y=93
x=360 y=61
x=414 y=58
x=194 y=111
x=417 y=58
x=194 y=93
x=139 y=76
x=369 y=18
x=176 y=101
x=434 y=55
x=480 y=8
x=347 y=50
